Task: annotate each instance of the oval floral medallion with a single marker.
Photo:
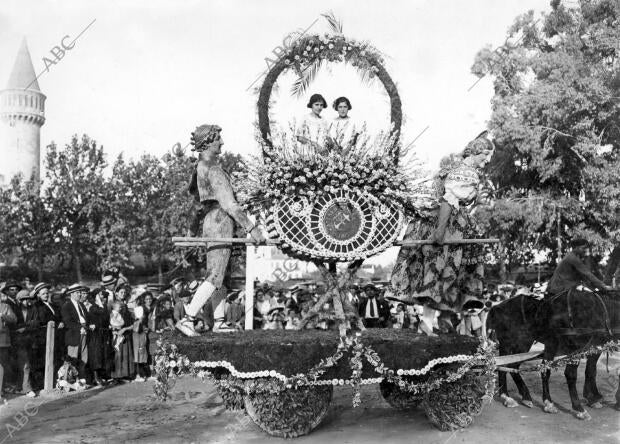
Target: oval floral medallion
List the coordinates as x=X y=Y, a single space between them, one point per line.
x=342 y=226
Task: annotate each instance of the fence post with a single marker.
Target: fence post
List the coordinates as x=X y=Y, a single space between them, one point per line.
x=250 y=274
x=48 y=384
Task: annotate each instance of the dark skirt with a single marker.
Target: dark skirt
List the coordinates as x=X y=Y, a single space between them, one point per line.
x=123 y=359
x=140 y=348
x=98 y=341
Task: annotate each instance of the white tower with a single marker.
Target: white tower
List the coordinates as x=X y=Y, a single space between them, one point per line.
x=22 y=112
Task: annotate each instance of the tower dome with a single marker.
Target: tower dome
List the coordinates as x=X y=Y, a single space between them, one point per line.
x=22 y=112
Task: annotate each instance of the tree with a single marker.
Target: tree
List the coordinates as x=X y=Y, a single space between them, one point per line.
x=75 y=190
x=28 y=228
x=152 y=199
x=555 y=120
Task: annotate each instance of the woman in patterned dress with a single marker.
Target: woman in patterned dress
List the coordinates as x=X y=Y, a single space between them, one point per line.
x=443 y=277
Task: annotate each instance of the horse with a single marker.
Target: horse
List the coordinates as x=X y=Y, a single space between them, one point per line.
x=511 y=324
x=571 y=321
x=518 y=322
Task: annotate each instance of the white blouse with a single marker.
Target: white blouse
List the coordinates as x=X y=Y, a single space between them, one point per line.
x=314 y=128
x=342 y=130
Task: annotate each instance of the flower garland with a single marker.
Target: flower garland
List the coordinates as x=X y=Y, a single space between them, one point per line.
x=609 y=347
x=310 y=49
x=170 y=364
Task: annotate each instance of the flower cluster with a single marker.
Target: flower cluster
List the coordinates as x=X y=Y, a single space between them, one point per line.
x=169 y=364
x=333 y=48
x=295 y=171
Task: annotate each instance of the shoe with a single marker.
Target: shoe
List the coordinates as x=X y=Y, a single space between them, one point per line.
x=31 y=394
x=151 y=378
x=139 y=379
x=186 y=326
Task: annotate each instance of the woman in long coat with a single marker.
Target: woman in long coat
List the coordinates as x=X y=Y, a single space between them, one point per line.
x=99 y=338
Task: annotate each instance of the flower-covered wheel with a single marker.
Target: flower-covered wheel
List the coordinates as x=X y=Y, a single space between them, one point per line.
x=454 y=405
x=289 y=413
x=398 y=398
x=232 y=397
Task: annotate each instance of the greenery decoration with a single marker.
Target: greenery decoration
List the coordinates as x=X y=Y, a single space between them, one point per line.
x=289 y=413
x=453 y=406
x=286 y=353
x=170 y=363
x=398 y=398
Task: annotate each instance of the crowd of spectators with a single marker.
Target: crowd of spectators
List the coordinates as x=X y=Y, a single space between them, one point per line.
x=101 y=333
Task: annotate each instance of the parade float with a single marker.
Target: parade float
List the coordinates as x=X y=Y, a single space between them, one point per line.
x=334 y=207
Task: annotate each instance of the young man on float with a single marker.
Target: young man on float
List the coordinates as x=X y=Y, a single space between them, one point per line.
x=211 y=186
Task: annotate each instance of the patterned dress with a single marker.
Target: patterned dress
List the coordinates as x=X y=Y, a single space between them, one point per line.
x=443 y=277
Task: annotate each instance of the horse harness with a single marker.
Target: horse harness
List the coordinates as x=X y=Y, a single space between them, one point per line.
x=572 y=330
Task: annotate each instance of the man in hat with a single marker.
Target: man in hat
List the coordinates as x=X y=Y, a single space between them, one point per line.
x=108 y=284
x=211 y=186
x=369 y=308
x=7 y=319
x=25 y=339
x=75 y=318
x=571 y=271
x=11 y=289
x=46 y=312
x=46 y=309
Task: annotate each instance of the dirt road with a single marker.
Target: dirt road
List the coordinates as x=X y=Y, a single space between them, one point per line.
x=130 y=414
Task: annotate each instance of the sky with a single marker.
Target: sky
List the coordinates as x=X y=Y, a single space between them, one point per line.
x=146 y=73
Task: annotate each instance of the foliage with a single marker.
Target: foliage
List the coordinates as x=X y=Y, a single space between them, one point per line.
x=289 y=413
x=81 y=211
x=75 y=190
x=232 y=163
x=151 y=199
x=555 y=174
x=27 y=227
x=308 y=53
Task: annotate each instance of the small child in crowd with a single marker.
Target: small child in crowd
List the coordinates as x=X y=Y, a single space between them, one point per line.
x=68 y=377
x=116 y=324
